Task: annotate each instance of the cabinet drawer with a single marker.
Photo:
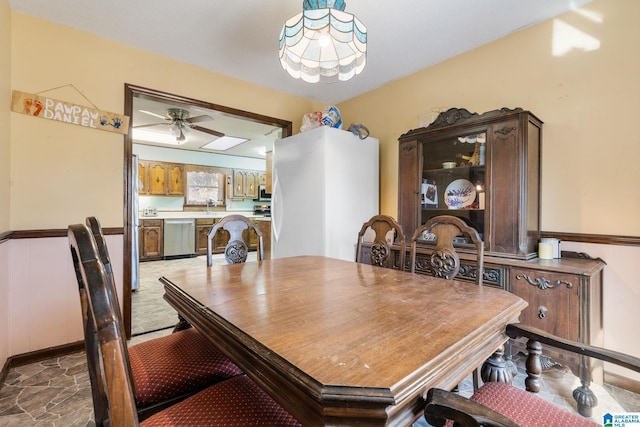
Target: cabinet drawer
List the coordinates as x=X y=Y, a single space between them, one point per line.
x=151 y=222
x=204 y=221
x=554 y=303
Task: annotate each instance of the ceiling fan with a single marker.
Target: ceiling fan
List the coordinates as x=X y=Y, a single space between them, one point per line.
x=179 y=121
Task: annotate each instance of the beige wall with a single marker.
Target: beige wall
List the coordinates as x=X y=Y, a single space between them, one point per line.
x=589 y=102
x=588 y=99
x=5 y=98
x=62 y=173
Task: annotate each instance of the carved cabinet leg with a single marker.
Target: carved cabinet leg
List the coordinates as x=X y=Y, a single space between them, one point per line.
x=583 y=395
x=495 y=368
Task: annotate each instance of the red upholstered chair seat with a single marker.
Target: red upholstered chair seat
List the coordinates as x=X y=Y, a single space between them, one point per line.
x=176 y=364
x=525 y=408
x=234 y=402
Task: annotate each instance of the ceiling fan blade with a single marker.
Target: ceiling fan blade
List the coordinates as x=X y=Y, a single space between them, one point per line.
x=209 y=131
x=154 y=114
x=198 y=119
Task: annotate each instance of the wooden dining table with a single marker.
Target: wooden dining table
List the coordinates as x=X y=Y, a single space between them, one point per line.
x=344 y=343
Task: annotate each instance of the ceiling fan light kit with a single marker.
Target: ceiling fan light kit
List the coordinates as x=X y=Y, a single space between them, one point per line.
x=323 y=44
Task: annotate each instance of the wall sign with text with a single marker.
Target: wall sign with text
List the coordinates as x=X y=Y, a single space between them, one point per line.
x=67 y=112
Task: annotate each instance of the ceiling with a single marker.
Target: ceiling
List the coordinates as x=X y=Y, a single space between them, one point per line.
x=148 y=110
x=240 y=38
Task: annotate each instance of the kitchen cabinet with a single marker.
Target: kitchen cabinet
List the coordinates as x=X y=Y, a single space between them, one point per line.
x=157 y=179
x=264 y=225
x=269 y=173
x=203 y=226
x=161 y=178
x=485 y=169
x=143 y=177
x=243 y=184
x=175 y=179
x=151 y=239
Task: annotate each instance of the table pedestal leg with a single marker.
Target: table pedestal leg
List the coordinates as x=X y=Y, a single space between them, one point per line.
x=496 y=369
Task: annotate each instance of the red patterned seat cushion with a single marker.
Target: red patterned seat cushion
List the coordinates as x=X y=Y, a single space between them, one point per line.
x=235 y=402
x=525 y=408
x=176 y=364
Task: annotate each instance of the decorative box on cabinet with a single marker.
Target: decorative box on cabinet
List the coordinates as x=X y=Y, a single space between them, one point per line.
x=494 y=184
x=151 y=239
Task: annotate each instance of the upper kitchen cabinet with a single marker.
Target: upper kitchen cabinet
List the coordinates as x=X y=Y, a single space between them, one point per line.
x=269 y=172
x=157 y=178
x=175 y=179
x=161 y=178
x=143 y=177
x=243 y=184
x=484 y=168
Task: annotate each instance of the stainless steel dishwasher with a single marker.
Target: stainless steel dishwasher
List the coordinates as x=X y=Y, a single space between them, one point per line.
x=179 y=237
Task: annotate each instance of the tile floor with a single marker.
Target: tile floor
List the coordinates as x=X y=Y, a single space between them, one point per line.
x=56 y=392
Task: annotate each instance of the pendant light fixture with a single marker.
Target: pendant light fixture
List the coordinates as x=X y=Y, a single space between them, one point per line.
x=323 y=43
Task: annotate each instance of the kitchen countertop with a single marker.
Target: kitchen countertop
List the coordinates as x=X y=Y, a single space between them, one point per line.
x=203 y=214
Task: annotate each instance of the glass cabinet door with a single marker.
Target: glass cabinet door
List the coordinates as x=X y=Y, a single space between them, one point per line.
x=454 y=179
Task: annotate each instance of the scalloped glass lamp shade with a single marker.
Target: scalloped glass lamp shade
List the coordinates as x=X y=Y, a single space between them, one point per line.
x=323 y=43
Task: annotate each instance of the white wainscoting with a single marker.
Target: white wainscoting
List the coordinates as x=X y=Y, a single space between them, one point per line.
x=44 y=306
x=39 y=291
x=4 y=301
x=621 y=298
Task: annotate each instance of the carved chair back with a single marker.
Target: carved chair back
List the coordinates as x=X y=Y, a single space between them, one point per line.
x=237 y=249
x=380 y=251
x=444 y=261
x=111 y=382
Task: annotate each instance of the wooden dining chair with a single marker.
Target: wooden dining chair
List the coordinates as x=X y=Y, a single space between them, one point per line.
x=165 y=369
x=501 y=404
x=237 y=249
x=444 y=261
x=234 y=401
x=378 y=247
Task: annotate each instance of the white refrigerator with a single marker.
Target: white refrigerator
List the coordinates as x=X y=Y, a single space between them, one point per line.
x=325 y=186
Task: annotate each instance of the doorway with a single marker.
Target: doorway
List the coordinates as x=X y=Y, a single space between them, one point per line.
x=133 y=93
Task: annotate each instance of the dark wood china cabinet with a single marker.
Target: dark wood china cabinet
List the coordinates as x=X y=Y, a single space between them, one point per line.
x=485 y=169
x=482 y=168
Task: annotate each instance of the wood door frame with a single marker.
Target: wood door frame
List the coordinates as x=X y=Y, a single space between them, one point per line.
x=130 y=91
